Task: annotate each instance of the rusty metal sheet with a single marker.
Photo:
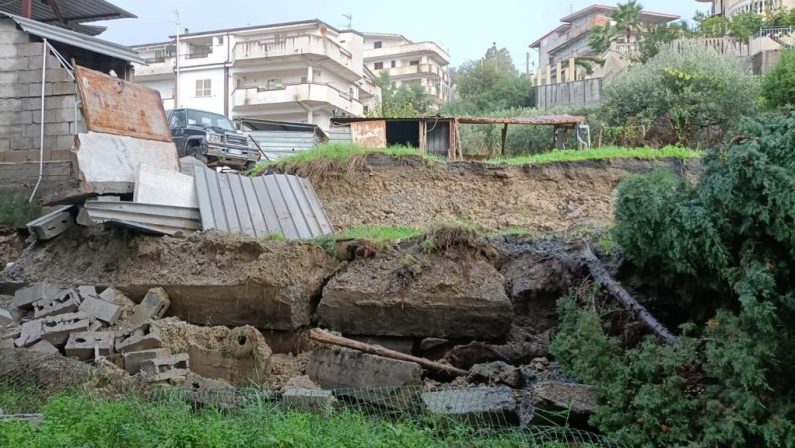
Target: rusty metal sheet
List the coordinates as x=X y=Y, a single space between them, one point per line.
x=116 y=106
x=561 y=120
x=369 y=134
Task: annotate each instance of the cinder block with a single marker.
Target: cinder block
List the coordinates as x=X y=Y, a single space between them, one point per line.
x=117 y=297
x=13 y=63
x=87 y=291
x=105 y=311
x=30 y=334
x=34 y=89
x=167 y=369
x=143 y=337
x=82 y=345
x=62 y=87
x=10 y=103
x=44 y=347
x=8 y=77
x=18 y=143
x=24 y=298
x=52 y=224
x=8 y=50
x=153 y=306
x=309 y=401
x=66 y=301
x=29 y=49
x=133 y=360
x=56 y=129
x=56 y=329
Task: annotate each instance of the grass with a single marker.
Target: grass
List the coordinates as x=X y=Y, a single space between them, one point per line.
x=606 y=153
x=339 y=154
x=77 y=419
x=15 y=211
x=379 y=233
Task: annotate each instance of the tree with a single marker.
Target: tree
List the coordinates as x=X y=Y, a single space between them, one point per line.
x=627 y=18
x=778 y=86
x=408 y=100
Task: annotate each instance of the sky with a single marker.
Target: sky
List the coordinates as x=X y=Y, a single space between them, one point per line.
x=465 y=28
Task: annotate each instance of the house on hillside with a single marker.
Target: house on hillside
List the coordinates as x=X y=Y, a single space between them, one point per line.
x=305 y=72
x=730 y=8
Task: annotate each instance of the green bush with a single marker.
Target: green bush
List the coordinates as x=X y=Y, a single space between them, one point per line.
x=731 y=237
x=778 y=87
x=682 y=95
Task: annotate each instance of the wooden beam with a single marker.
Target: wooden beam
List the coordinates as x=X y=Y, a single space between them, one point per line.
x=27 y=9
x=56 y=10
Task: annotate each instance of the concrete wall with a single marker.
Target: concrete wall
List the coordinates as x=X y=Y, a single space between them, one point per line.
x=569 y=94
x=765 y=61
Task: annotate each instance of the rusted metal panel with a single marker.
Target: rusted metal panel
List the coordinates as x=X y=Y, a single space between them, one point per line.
x=370 y=134
x=537 y=120
x=115 y=106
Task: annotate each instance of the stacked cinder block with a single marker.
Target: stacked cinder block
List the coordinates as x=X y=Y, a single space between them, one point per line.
x=20 y=100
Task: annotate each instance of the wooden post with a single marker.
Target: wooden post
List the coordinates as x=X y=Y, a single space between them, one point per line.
x=27 y=9
x=423 y=131
x=504 y=137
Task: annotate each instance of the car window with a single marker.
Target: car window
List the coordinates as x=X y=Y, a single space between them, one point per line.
x=177 y=119
x=209 y=121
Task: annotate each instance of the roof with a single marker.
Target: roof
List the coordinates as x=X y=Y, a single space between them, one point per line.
x=76 y=39
x=536 y=120
x=73 y=13
x=257 y=27
x=537 y=43
x=387 y=36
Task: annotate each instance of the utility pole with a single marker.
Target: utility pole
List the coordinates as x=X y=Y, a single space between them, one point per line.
x=178 y=56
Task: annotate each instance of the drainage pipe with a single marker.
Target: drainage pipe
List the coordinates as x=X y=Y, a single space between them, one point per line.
x=44 y=49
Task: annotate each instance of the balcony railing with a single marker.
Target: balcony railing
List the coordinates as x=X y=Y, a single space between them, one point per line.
x=297 y=92
x=407 y=70
x=294 y=45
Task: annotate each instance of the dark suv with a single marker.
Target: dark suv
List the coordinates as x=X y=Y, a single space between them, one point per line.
x=212 y=139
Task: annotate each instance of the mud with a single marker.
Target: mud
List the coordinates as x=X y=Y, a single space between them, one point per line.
x=542 y=198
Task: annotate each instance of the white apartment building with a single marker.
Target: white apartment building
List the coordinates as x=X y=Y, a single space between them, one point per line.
x=306 y=72
x=423 y=63
x=731 y=8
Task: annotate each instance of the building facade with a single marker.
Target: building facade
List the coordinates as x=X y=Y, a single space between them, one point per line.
x=305 y=72
x=729 y=8
x=569 y=41
x=407 y=62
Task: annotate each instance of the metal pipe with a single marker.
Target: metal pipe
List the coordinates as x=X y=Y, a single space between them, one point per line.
x=44 y=50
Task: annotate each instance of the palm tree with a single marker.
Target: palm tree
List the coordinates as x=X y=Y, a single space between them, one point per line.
x=601 y=37
x=627 y=17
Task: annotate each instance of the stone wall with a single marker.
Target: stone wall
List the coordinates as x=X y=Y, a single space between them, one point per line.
x=586 y=92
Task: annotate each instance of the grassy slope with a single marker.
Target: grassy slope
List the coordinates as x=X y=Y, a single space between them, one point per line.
x=78 y=420
x=606 y=153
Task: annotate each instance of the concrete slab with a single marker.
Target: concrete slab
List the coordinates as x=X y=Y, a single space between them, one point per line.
x=24 y=297
x=30 y=333
x=164 y=187
x=479 y=405
x=105 y=311
x=52 y=224
x=338 y=368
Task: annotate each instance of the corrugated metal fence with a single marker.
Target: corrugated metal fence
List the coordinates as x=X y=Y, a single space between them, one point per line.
x=278 y=144
x=339 y=134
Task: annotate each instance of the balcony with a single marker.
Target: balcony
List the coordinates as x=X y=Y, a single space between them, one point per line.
x=421 y=69
x=306 y=44
x=312 y=94
x=404 y=50
x=155 y=70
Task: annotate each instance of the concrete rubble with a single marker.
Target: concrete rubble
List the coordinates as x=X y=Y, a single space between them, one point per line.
x=338 y=368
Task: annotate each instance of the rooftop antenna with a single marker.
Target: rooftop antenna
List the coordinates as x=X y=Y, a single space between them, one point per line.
x=349 y=16
x=571 y=8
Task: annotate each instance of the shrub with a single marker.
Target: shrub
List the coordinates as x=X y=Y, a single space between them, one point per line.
x=694 y=89
x=778 y=87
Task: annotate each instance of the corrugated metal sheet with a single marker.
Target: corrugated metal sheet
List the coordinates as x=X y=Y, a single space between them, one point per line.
x=162 y=219
x=116 y=106
x=339 y=134
x=72 y=10
x=75 y=39
x=278 y=144
x=438 y=138
x=260 y=206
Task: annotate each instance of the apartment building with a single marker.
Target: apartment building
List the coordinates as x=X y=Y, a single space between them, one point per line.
x=406 y=62
x=305 y=72
x=569 y=41
x=729 y=8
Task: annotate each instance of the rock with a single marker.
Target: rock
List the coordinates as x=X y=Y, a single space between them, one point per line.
x=496 y=372
x=402 y=295
x=558 y=395
x=535 y=282
x=479 y=405
x=312 y=401
x=301 y=382
x=338 y=368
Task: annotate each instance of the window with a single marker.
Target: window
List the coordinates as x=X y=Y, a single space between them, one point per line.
x=275 y=84
x=177 y=119
x=220 y=40
x=414 y=62
x=203 y=88
x=394 y=64
x=378 y=44
x=378 y=66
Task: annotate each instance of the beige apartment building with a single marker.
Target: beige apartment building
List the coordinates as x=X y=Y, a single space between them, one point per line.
x=305 y=72
x=730 y=8
x=406 y=61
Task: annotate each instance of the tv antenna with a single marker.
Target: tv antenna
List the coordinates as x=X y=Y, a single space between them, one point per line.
x=349 y=16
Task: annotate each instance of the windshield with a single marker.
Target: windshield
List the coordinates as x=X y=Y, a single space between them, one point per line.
x=214 y=122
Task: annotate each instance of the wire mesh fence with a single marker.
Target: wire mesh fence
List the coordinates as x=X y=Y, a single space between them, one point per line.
x=28 y=380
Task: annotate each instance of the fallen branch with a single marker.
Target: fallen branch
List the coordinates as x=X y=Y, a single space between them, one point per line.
x=604 y=278
x=325 y=337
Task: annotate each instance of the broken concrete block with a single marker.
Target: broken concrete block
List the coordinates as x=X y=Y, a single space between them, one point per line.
x=338 y=368
x=309 y=401
x=6 y=318
x=204 y=391
x=168 y=368
x=116 y=297
x=153 y=306
x=559 y=395
x=52 y=224
x=218 y=364
x=495 y=373
x=56 y=329
x=480 y=405
x=165 y=187
x=44 y=347
x=87 y=291
x=133 y=360
x=30 y=333
x=143 y=337
x=82 y=345
x=64 y=302
x=105 y=311
x=446 y=299
x=25 y=297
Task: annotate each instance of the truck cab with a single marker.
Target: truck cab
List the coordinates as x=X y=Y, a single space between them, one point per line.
x=211 y=138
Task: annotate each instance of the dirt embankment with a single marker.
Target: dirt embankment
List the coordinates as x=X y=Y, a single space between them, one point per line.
x=383 y=190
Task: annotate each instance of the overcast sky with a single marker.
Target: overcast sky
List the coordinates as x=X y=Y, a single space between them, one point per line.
x=466 y=27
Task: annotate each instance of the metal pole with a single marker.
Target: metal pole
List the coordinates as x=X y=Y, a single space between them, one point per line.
x=176 y=87
x=41 y=128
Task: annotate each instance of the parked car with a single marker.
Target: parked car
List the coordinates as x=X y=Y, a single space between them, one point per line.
x=212 y=138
